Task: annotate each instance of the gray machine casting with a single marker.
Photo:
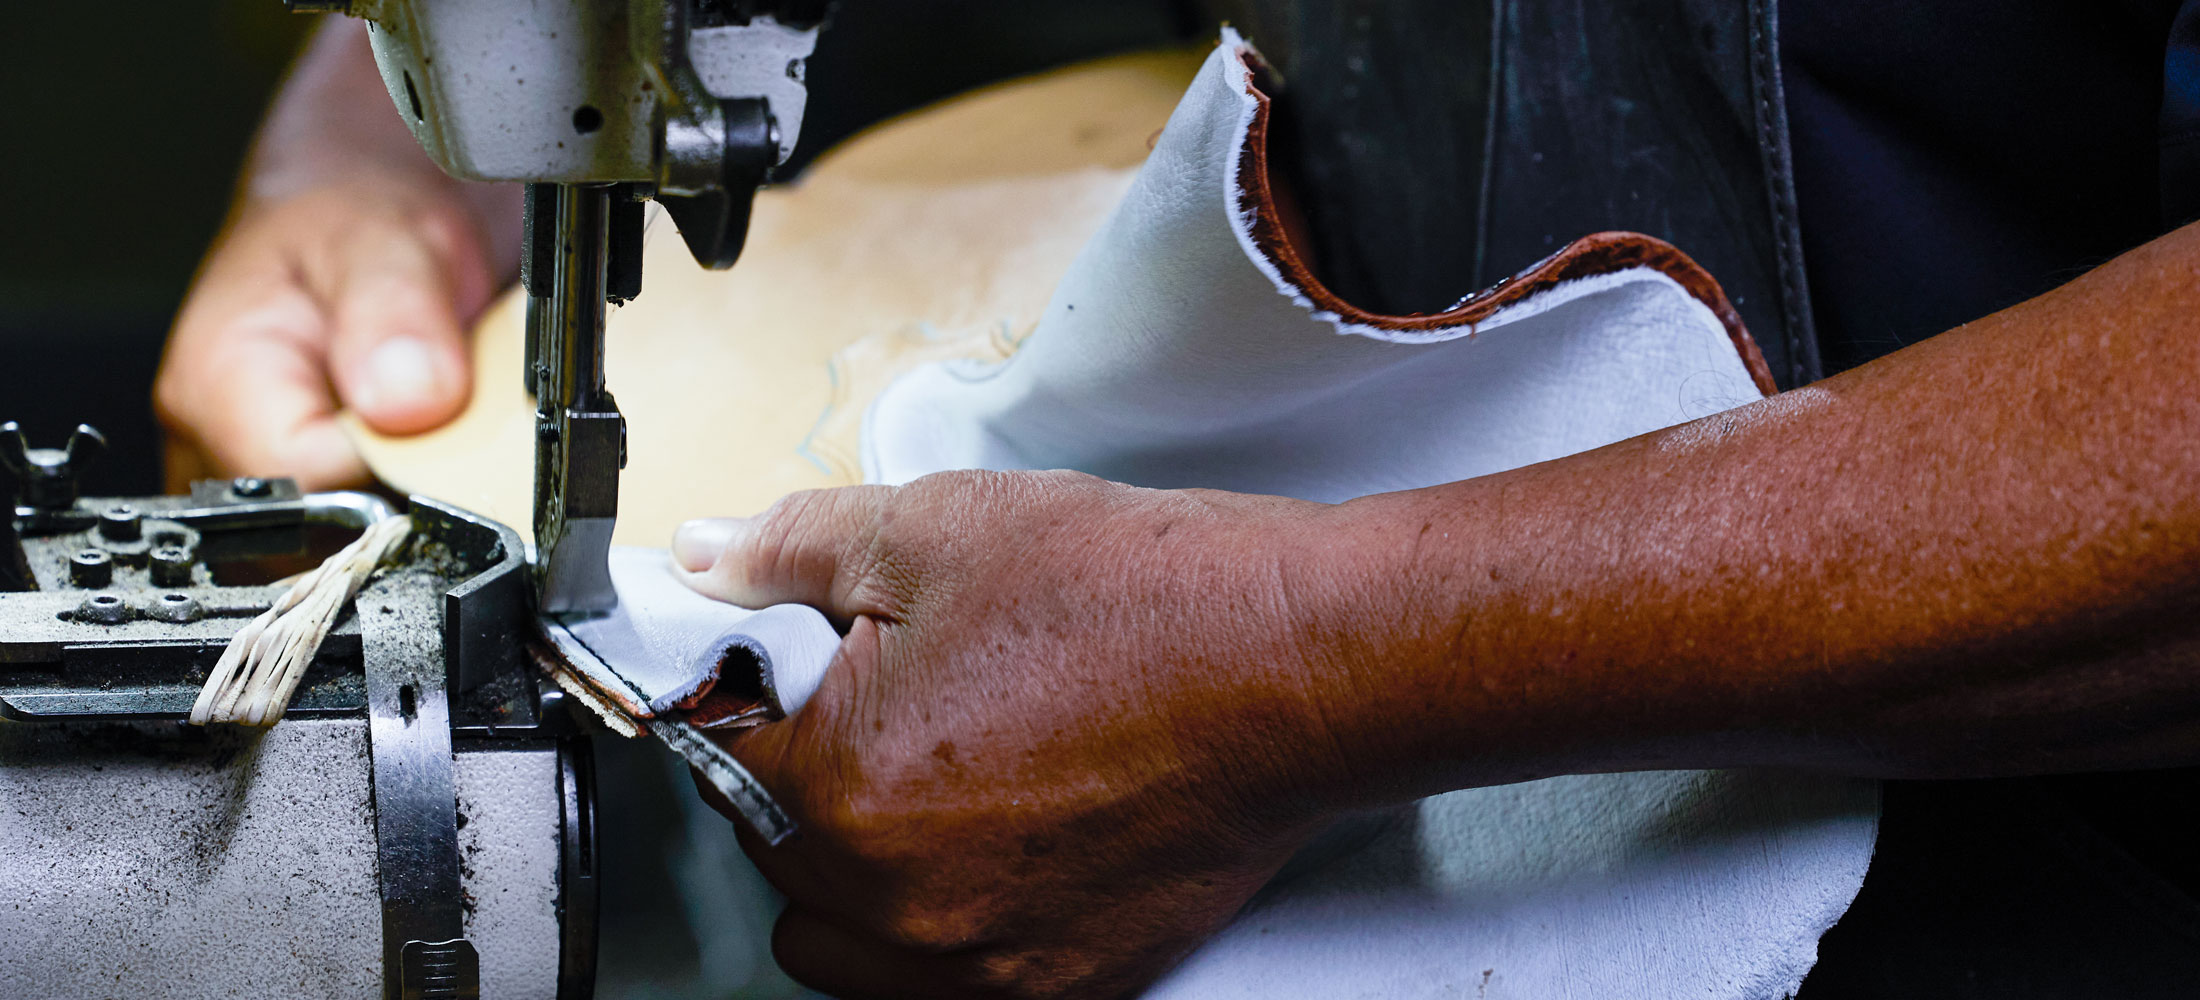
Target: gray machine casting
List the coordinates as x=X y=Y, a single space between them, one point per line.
x=424 y=778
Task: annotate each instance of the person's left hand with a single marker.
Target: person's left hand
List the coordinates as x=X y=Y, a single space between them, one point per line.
x=1072 y=728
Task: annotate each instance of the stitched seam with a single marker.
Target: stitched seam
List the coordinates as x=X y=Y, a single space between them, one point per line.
x=1779 y=187
x=635 y=692
x=1491 y=116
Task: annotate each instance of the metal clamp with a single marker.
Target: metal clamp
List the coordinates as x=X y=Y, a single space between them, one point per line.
x=424 y=952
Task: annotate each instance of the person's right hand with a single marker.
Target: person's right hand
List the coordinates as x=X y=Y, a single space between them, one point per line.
x=352 y=294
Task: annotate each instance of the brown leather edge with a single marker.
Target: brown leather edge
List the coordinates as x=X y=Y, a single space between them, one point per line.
x=610 y=710
x=1595 y=254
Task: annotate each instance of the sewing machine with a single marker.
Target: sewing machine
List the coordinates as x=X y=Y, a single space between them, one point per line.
x=597 y=105
x=421 y=824
x=424 y=783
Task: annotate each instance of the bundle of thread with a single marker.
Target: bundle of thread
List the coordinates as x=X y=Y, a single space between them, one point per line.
x=253 y=681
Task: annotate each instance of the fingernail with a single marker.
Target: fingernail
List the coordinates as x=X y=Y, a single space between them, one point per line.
x=697 y=544
x=401 y=374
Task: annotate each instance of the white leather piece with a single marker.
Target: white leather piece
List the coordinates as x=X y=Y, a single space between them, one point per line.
x=1175 y=353
x=663 y=645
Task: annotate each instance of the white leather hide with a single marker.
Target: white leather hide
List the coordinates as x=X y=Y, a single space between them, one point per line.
x=1182 y=350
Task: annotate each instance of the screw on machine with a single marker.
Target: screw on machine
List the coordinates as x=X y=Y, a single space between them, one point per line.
x=46 y=477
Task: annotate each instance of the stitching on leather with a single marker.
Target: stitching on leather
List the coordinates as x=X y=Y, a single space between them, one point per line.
x=1768 y=95
x=1490 y=118
x=636 y=701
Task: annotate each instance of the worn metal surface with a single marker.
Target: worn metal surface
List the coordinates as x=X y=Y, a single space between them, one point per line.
x=57 y=662
x=580 y=438
x=415 y=795
x=128 y=621
x=15 y=570
x=481 y=612
x=506 y=845
x=577 y=91
x=384 y=738
x=46 y=478
x=159 y=860
x=580 y=863
x=342 y=507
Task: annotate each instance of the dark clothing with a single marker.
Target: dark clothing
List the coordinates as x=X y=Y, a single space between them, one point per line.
x=2019 y=890
x=1443 y=145
x=1957 y=157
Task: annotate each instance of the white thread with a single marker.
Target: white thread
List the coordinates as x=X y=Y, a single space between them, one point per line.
x=253 y=681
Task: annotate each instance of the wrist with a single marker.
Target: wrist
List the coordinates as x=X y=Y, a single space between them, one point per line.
x=1371 y=630
x=1484 y=639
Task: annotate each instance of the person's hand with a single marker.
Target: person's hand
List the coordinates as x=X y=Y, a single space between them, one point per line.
x=353 y=293
x=1072 y=727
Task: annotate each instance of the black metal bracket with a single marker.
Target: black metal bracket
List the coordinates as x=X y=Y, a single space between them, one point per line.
x=715 y=225
x=424 y=952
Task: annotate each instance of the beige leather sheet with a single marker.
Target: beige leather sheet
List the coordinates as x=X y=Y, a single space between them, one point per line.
x=938 y=235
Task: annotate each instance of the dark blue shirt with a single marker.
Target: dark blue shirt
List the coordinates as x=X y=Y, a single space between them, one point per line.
x=1956 y=157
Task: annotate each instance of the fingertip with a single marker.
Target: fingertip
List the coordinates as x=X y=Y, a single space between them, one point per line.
x=408 y=384
x=697 y=544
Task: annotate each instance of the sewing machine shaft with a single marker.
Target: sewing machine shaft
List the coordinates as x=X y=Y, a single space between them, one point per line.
x=580 y=438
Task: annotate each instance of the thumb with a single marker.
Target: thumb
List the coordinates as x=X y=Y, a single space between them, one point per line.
x=809 y=548
x=398 y=351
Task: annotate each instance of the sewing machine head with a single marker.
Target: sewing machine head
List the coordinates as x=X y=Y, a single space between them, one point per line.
x=597 y=105
x=424 y=781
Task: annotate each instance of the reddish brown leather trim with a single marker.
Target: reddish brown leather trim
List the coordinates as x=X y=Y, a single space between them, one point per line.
x=1598 y=253
x=721 y=710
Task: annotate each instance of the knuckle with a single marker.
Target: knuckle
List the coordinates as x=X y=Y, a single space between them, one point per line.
x=1021 y=974
x=955 y=487
x=779 y=537
x=929 y=931
x=171 y=401
x=786 y=515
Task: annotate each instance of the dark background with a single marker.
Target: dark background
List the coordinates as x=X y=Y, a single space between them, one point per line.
x=124 y=128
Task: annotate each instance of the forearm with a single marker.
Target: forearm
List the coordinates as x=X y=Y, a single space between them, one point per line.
x=1980 y=555
x=333 y=123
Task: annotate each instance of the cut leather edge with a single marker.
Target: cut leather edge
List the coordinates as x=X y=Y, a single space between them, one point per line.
x=706 y=703
x=565 y=652
x=1261 y=230
x=606 y=709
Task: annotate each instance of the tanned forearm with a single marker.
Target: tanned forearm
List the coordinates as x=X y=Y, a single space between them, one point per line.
x=1977 y=556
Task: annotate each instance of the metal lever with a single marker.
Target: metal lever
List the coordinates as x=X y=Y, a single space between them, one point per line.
x=425 y=954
